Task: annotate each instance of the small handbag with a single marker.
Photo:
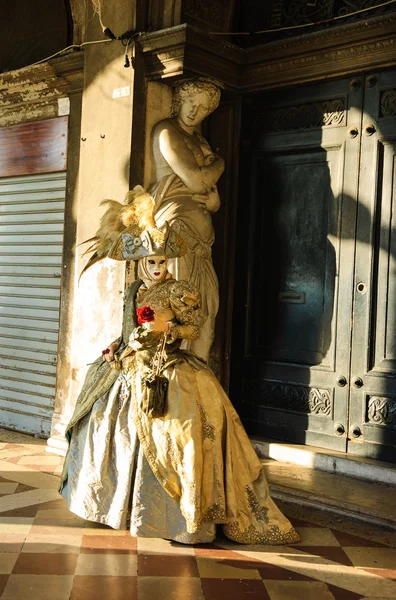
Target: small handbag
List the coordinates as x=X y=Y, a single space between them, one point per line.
x=156 y=386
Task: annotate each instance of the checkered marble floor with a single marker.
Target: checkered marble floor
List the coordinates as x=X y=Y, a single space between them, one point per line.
x=46 y=553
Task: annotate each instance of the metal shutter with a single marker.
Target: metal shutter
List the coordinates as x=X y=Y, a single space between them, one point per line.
x=31 y=235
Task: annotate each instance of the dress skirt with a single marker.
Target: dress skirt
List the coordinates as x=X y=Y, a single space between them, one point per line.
x=174 y=476
x=110 y=481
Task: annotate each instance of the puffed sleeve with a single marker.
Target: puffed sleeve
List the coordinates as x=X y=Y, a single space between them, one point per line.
x=185 y=303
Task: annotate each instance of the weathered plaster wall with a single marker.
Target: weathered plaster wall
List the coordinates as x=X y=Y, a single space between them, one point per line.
x=92 y=308
x=30 y=95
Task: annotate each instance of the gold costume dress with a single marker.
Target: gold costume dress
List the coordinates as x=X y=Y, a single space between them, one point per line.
x=174 y=476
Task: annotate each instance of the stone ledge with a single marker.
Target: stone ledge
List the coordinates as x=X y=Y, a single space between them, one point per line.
x=355 y=512
x=339 y=463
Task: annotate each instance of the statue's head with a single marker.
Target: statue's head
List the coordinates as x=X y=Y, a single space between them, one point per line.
x=194 y=100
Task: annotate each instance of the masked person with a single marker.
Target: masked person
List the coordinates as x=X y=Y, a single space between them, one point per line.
x=154 y=443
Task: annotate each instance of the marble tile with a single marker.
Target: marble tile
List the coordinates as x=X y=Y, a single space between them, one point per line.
x=67 y=520
x=45 y=564
x=106 y=544
x=324 y=570
x=374 y=558
x=316 y=536
x=388 y=573
x=8 y=488
x=24 y=488
x=14 y=452
x=12 y=542
x=215 y=552
x=334 y=553
x=234 y=589
x=107 y=564
x=26 y=498
x=298 y=590
x=341 y=594
x=86 y=587
x=7 y=435
x=3 y=583
x=172 y=588
x=224 y=569
x=65 y=528
x=38 y=587
x=7 y=562
x=158 y=546
x=23 y=474
x=152 y=565
x=23 y=511
x=61 y=513
x=15 y=525
x=51 y=543
x=272 y=572
x=47 y=459
x=99 y=529
x=58 y=504
x=347 y=539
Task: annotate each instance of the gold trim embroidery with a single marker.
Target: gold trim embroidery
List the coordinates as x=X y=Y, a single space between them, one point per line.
x=207 y=428
x=260 y=512
x=215 y=514
x=272 y=537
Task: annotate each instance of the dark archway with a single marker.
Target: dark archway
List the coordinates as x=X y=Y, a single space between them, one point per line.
x=31 y=31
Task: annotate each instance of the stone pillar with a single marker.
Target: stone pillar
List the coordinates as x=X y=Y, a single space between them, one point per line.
x=99 y=147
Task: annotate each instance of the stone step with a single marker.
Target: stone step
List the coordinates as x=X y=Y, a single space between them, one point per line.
x=355 y=488
x=340 y=463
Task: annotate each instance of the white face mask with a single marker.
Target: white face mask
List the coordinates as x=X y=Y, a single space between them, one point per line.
x=155 y=267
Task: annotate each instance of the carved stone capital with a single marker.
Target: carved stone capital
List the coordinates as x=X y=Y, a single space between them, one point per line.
x=186 y=51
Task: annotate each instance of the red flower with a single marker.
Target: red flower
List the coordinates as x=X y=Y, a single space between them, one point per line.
x=145 y=314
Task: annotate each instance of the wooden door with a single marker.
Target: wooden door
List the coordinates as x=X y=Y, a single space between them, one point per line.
x=372 y=420
x=293 y=299
x=314 y=352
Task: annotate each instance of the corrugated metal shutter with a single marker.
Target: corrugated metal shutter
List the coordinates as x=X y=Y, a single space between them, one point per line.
x=31 y=236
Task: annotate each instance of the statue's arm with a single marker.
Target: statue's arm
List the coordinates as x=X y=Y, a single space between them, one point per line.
x=183 y=163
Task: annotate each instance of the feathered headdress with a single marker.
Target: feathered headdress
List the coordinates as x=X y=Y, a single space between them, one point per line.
x=128 y=232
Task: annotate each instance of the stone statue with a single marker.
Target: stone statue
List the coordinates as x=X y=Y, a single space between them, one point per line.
x=185 y=192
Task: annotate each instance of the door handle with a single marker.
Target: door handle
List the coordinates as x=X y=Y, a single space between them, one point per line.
x=341 y=381
x=371 y=81
x=357 y=382
x=369 y=129
x=355 y=431
x=353 y=132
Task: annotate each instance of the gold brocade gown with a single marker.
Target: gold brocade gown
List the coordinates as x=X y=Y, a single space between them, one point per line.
x=178 y=475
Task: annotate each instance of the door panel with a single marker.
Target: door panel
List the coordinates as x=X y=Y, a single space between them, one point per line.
x=373 y=391
x=305 y=306
x=301 y=162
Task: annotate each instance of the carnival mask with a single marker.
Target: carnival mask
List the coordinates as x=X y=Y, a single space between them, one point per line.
x=154 y=267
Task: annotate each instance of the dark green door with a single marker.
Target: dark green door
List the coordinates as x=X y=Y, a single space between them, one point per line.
x=372 y=422
x=308 y=227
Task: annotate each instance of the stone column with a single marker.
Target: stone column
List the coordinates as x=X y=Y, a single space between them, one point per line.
x=99 y=146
